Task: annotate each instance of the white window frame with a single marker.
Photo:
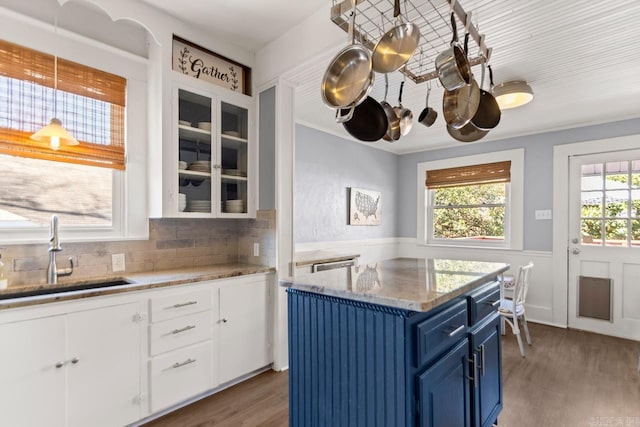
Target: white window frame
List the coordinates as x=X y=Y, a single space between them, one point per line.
x=514 y=212
x=129 y=187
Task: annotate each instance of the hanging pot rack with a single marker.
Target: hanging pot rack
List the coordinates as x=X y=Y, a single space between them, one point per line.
x=374 y=17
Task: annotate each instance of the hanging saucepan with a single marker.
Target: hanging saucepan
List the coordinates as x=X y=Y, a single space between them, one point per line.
x=467 y=133
x=460 y=105
x=397 y=45
x=452 y=65
x=404 y=114
x=369 y=122
x=488 y=115
x=393 y=127
x=428 y=115
x=349 y=78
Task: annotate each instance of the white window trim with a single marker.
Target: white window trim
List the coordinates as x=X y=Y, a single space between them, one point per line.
x=514 y=223
x=130 y=219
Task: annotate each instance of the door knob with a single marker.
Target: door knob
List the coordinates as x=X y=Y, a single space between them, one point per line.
x=575 y=240
x=575 y=251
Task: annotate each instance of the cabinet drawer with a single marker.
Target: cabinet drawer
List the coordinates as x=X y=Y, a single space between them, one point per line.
x=173 y=305
x=179 y=332
x=440 y=332
x=483 y=302
x=179 y=375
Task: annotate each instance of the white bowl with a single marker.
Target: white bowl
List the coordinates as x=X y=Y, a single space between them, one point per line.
x=182 y=165
x=204 y=125
x=184 y=122
x=232 y=133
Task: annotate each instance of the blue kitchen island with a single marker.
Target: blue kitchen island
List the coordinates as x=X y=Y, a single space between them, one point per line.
x=403 y=342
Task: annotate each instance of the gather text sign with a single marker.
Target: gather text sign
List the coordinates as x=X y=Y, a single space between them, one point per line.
x=202 y=64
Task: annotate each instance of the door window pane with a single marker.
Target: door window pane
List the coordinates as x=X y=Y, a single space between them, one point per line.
x=591 y=231
x=615 y=232
x=635 y=233
x=617 y=175
x=591 y=204
x=591 y=177
x=617 y=204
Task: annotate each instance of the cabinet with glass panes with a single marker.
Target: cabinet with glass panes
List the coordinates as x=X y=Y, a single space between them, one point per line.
x=215 y=154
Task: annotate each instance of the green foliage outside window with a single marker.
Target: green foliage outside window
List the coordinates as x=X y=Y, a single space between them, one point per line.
x=471 y=212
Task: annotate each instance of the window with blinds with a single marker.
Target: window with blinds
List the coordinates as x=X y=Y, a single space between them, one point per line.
x=469 y=202
x=89 y=102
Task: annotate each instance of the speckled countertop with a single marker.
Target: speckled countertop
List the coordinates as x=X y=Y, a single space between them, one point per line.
x=416 y=284
x=138 y=281
x=315 y=257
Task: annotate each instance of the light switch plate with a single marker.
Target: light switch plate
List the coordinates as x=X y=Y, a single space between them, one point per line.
x=543 y=214
x=117 y=262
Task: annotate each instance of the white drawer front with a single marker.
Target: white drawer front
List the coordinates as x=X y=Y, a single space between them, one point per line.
x=173 y=305
x=179 y=375
x=179 y=332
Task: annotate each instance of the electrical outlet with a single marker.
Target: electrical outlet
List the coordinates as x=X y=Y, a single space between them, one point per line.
x=543 y=214
x=117 y=262
x=256 y=249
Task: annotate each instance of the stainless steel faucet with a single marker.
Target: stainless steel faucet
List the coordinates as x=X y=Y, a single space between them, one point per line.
x=54 y=246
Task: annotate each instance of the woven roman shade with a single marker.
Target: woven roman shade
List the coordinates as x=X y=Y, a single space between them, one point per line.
x=90 y=103
x=487 y=173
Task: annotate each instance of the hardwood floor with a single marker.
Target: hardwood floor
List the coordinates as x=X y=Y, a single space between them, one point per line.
x=568 y=379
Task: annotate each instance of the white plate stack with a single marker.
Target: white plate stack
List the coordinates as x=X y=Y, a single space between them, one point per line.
x=202 y=206
x=233 y=172
x=200 y=166
x=234 y=206
x=182 y=202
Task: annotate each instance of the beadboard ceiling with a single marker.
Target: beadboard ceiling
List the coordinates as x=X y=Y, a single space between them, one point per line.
x=581 y=58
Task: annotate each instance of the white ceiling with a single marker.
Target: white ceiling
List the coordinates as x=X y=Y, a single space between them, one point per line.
x=581 y=58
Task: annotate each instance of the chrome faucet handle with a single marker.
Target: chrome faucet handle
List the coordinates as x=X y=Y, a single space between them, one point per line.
x=66 y=271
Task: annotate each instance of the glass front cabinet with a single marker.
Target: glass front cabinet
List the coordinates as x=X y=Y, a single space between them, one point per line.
x=215 y=154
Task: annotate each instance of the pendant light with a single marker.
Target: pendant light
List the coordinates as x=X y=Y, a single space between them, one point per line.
x=54 y=133
x=512 y=94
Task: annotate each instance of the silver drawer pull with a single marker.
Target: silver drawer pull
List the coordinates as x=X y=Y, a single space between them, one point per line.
x=186 y=328
x=456 y=330
x=184 y=304
x=180 y=364
x=493 y=303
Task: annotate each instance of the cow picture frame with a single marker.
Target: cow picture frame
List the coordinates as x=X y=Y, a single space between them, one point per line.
x=365 y=207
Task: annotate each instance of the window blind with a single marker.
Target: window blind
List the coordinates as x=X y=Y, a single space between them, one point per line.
x=89 y=102
x=487 y=173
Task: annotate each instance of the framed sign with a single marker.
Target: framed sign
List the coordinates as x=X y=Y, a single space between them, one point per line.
x=202 y=64
x=364 y=207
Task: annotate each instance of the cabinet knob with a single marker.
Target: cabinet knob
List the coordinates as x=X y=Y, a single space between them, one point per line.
x=60 y=364
x=75 y=360
x=225 y=320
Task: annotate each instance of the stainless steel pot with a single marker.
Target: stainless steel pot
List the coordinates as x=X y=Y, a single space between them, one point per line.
x=452 y=65
x=460 y=105
x=404 y=114
x=393 y=127
x=428 y=115
x=396 y=47
x=488 y=115
x=349 y=77
x=467 y=133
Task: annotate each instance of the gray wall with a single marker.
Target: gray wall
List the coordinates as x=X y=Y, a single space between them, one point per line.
x=326 y=166
x=267 y=156
x=538 y=174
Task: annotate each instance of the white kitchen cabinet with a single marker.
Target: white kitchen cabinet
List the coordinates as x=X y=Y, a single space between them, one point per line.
x=244 y=327
x=28 y=374
x=73 y=369
x=212 y=158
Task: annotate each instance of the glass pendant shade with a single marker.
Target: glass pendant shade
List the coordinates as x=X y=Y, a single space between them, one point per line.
x=55 y=135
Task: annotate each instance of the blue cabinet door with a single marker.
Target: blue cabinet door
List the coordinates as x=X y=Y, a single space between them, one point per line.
x=444 y=390
x=485 y=342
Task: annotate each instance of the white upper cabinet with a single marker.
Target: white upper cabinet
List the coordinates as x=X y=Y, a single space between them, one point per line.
x=212 y=155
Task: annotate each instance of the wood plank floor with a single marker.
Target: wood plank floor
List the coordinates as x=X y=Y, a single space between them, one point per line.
x=568 y=379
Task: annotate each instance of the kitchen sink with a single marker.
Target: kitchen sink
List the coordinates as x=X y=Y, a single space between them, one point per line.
x=57 y=289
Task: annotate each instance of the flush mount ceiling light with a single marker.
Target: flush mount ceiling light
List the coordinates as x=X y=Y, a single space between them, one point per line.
x=512 y=94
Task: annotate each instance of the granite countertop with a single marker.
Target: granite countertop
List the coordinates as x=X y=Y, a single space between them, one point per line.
x=315 y=257
x=415 y=284
x=138 y=282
